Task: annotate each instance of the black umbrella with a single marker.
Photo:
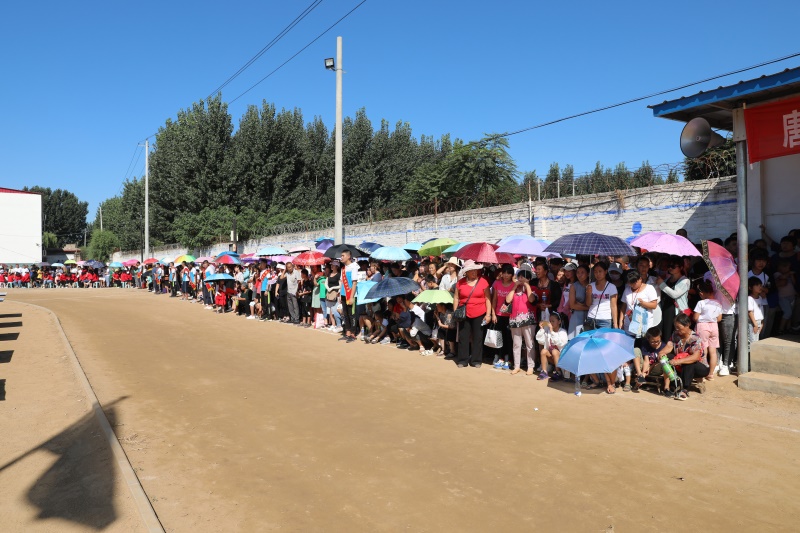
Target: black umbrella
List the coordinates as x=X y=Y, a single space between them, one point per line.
x=335 y=251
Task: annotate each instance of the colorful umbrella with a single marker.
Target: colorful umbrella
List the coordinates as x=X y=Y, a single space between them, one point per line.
x=666 y=243
x=185 y=257
x=70 y=262
x=94 y=264
x=219 y=277
x=412 y=246
x=271 y=250
x=723 y=267
x=480 y=252
x=115 y=264
x=61 y=265
x=150 y=261
x=228 y=260
x=590 y=244
x=436 y=246
x=392 y=287
x=434 y=296
x=526 y=246
x=335 y=251
x=504 y=240
x=311 y=258
x=204 y=258
x=369 y=246
x=299 y=249
x=128 y=263
x=323 y=244
x=362 y=289
x=165 y=261
x=390 y=253
x=283 y=258
x=456 y=247
x=597 y=351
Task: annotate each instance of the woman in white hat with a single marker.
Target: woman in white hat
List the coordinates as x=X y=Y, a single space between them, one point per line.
x=472 y=291
x=450 y=276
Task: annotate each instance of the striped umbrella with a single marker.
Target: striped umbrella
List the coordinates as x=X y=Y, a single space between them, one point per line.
x=590 y=244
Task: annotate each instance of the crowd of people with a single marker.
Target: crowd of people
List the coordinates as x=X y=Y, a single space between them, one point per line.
x=517 y=317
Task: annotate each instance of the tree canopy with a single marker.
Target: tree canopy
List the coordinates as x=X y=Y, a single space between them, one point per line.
x=63 y=214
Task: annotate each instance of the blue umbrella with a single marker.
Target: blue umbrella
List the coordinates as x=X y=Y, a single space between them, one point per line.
x=318 y=239
x=219 y=277
x=370 y=246
x=166 y=261
x=456 y=247
x=392 y=287
x=115 y=264
x=596 y=352
x=590 y=244
x=412 y=246
x=271 y=250
x=94 y=264
x=227 y=253
x=362 y=289
x=390 y=253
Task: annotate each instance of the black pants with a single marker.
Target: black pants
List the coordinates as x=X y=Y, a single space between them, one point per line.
x=503 y=353
x=348 y=319
x=689 y=372
x=470 y=330
x=727 y=338
x=667 y=322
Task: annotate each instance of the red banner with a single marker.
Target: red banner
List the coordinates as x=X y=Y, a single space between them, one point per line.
x=773 y=130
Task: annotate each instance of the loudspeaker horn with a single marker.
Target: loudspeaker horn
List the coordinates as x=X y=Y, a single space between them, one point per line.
x=697 y=137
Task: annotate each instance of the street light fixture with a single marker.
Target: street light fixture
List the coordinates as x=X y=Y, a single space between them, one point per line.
x=330 y=64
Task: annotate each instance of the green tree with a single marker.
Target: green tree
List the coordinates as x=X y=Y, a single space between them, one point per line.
x=102 y=244
x=550 y=185
x=49 y=240
x=481 y=168
x=63 y=214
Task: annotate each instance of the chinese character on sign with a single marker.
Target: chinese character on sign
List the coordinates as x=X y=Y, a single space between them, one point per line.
x=791 y=129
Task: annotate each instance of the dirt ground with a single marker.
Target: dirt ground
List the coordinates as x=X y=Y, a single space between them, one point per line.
x=236 y=425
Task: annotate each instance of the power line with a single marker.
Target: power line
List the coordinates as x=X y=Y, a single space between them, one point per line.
x=269 y=45
x=318 y=37
x=639 y=99
x=131 y=162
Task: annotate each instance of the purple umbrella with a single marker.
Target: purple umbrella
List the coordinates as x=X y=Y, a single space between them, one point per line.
x=526 y=246
x=323 y=244
x=666 y=243
x=590 y=244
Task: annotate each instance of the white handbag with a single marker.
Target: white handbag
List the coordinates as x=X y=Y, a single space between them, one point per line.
x=494 y=338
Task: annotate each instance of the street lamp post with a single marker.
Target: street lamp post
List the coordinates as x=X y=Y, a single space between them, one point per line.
x=336 y=65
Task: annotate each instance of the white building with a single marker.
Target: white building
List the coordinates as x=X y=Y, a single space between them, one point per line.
x=20 y=227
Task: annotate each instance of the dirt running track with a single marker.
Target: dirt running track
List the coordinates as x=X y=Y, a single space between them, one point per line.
x=236 y=425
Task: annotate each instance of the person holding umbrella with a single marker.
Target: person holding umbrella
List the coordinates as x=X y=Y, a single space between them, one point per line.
x=349 y=280
x=473 y=291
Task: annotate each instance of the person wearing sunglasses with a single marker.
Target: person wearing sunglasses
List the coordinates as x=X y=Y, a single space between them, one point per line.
x=674 y=294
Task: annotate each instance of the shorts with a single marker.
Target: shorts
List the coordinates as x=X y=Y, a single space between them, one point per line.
x=786 y=304
x=708 y=333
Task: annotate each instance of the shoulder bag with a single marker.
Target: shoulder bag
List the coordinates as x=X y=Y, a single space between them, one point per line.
x=591 y=323
x=460 y=314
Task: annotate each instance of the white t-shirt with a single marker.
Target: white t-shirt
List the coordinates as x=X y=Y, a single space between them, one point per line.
x=419 y=321
x=752 y=305
x=601 y=301
x=727 y=307
x=764 y=280
x=646 y=294
x=709 y=310
x=447 y=282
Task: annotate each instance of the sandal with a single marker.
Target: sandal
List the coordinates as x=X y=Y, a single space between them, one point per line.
x=626 y=388
x=542 y=376
x=592 y=385
x=515 y=371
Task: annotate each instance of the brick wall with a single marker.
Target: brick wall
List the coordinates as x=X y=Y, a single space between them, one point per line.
x=706 y=209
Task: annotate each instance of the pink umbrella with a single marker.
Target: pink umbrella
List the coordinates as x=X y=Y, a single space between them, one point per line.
x=282 y=258
x=480 y=252
x=311 y=258
x=722 y=266
x=666 y=243
x=299 y=249
x=204 y=258
x=130 y=262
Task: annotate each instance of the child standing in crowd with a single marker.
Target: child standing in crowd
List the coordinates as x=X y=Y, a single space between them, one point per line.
x=707 y=314
x=221 y=297
x=447 y=329
x=754 y=312
x=304 y=289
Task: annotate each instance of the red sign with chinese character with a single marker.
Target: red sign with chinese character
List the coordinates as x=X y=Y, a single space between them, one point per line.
x=773 y=130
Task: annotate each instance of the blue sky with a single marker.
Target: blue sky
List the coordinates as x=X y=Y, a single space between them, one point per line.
x=83 y=82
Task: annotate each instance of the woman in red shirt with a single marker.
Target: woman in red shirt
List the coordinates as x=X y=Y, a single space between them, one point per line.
x=473 y=291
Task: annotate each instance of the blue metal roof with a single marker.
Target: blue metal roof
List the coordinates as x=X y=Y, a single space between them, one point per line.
x=716 y=105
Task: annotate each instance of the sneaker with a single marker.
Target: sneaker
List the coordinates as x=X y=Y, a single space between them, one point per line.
x=251 y=317
x=558 y=377
x=402 y=346
x=682 y=396
x=498 y=365
x=338 y=329
x=701 y=387
x=426 y=352
x=542 y=376
x=385 y=340
x=724 y=371
x=506 y=366
x=413 y=348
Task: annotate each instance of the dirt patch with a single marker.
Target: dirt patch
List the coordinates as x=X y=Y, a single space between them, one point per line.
x=240 y=425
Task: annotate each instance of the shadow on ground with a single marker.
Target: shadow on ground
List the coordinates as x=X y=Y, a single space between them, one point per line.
x=11 y=324
x=79 y=486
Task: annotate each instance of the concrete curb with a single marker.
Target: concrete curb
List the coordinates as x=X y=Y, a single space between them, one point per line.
x=146 y=511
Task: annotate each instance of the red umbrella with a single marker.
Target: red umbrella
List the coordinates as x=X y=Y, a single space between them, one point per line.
x=228 y=260
x=503 y=257
x=480 y=252
x=311 y=258
x=150 y=261
x=722 y=266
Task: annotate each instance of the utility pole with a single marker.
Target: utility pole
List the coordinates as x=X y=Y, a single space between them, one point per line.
x=146 y=197
x=338 y=233
x=101 y=218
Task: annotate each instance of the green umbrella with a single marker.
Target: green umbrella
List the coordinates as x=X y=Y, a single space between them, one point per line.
x=70 y=262
x=434 y=296
x=436 y=246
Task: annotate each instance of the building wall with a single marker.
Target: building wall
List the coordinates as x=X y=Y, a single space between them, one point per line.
x=706 y=209
x=20 y=228
x=779 y=202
